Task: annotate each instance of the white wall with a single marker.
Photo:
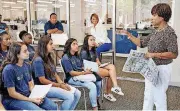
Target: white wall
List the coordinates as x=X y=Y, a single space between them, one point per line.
x=0 y=6
x=175 y=78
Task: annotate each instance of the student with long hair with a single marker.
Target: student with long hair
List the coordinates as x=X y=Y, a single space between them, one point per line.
x=44 y=72
x=73 y=66
x=5 y=41
x=88 y=52
x=18 y=83
x=27 y=39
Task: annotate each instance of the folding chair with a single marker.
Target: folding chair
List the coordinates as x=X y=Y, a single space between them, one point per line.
x=110 y=51
x=57 y=101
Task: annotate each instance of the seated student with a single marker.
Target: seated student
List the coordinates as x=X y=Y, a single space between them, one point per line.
x=18 y=82
x=73 y=66
x=88 y=52
x=44 y=72
x=27 y=39
x=5 y=41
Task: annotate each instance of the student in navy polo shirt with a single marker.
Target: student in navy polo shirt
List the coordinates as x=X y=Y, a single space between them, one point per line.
x=44 y=72
x=3 y=26
x=53 y=26
x=18 y=83
x=88 y=52
x=27 y=39
x=73 y=66
x=5 y=41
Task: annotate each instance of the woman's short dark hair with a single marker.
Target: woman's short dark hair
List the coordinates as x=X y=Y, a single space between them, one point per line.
x=162 y=10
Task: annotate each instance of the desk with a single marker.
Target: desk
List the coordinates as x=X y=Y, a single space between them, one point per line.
x=56 y=51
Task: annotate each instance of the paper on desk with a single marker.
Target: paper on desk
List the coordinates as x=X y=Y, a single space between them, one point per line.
x=40 y=91
x=90 y=65
x=59 y=39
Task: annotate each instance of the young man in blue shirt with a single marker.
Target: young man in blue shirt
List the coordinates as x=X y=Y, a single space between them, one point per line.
x=53 y=26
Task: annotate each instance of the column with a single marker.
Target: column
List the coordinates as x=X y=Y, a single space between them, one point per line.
x=175 y=81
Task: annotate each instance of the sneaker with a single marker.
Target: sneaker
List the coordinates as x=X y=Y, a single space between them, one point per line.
x=110 y=97
x=117 y=90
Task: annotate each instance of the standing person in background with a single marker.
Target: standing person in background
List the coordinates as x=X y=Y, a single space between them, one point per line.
x=53 y=26
x=27 y=39
x=162 y=48
x=103 y=43
x=3 y=26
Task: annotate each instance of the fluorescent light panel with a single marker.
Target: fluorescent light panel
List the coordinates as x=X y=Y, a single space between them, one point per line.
x=43 y=1
x=8 y=2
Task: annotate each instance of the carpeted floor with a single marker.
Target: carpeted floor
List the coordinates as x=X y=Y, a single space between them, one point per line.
x=133 y=98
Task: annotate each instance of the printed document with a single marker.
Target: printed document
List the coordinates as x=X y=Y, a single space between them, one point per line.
x=40 y=91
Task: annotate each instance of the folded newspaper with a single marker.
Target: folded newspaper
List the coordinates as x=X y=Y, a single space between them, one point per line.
x=136 y=63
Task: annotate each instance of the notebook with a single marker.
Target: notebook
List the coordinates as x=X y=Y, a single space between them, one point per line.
x=90 y=65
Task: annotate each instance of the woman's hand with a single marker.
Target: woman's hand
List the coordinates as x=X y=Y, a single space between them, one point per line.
x=65 y=86
x=37 y=101
x=149 y=55
x=124 y=32
x=88 y=71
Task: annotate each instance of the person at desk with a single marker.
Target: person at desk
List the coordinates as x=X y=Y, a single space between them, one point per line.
x=3 y=26
x=162 y=48
x=53 y=26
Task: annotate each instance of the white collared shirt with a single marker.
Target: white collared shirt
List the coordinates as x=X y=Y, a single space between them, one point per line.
x=100 y=33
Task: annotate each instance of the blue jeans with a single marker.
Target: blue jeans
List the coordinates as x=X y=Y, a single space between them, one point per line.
x=103 y=48
x=14 y=104
x=94 y=89
x=69 y=100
